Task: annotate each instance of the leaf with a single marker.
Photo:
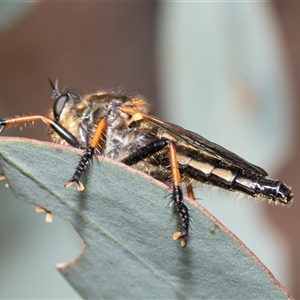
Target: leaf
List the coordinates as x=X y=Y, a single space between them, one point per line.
x=127 y=224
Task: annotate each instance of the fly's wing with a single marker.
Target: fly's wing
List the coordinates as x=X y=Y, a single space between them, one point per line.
x=201 y=143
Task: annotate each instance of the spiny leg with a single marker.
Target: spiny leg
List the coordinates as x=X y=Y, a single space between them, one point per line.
x=177 y=196
x=88 y=155
x=144 y=152
x=58 y=128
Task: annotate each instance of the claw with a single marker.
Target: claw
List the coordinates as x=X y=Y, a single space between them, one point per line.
x=179 y=235
x=39 y=209
x=49 y=217
x=2 y=177
x=80 y=186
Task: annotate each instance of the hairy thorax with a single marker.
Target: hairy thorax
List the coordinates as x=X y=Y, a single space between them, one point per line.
x=81 y=117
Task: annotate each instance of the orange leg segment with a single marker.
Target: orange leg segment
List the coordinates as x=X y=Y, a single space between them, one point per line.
x=178 y=198
x=88 y=155
x=58 y=128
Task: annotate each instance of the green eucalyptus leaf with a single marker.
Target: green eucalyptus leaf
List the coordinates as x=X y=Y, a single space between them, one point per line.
x=126 y=222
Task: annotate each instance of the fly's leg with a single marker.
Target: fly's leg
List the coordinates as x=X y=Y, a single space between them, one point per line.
x=190 y=192
x=87 y=157
x=58 y=128
x=177 y=196
x=144 y=152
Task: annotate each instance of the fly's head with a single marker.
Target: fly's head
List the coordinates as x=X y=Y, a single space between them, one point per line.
x=65 y=111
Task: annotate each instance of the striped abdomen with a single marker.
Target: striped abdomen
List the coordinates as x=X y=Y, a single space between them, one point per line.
x=230 y=176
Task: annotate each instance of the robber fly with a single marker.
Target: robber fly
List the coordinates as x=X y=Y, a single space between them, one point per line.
x=118 y=125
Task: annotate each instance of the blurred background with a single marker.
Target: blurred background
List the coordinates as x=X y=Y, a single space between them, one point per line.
x=228 y=71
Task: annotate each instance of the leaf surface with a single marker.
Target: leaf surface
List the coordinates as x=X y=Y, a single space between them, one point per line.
x=126 y=222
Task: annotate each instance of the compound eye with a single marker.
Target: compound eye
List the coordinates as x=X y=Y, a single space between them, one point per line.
x=59 y=105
